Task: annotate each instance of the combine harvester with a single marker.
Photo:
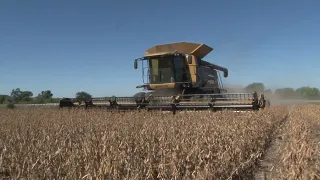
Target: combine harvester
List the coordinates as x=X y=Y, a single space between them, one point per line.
x=176 y=77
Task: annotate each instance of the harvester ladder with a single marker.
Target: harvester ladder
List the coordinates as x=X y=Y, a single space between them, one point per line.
x=219 y=80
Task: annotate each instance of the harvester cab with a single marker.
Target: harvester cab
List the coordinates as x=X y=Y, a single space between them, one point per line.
x=179 y=68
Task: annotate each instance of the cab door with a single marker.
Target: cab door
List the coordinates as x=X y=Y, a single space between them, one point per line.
x=199 y=69
x=179 y=69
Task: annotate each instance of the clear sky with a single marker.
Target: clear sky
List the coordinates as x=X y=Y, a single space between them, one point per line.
x=71 y=46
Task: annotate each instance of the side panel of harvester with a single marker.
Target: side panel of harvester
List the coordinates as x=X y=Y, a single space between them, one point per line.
x=208 y=77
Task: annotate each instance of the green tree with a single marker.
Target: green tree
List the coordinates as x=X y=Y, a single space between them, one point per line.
x=20 y=96
x=44 y=97
x=286 y=93
x=55 y=100
x=26 y=96
x=259 y=87
x=11 y=106
x=15 y=95
x=3 y=98
x=308 y=92
x=82 y=96
x=39 y=100
x=46 y=94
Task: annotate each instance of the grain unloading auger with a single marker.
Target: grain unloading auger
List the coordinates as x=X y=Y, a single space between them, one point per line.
x=177 y=78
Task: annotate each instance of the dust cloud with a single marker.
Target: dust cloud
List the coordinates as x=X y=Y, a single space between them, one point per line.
x=274 y=99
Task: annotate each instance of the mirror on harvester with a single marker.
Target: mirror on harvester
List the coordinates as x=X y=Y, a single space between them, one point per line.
x=135 y=64
x=225 y=73
x=189 y=59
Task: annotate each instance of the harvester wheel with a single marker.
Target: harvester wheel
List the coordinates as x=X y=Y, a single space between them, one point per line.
x=262 y=101
x=268 y=103
x=255 y=101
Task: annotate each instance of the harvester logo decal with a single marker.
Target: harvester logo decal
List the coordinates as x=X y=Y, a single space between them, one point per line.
x=211 y=81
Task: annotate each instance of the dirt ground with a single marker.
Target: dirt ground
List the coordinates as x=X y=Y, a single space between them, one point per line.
x=270 y=163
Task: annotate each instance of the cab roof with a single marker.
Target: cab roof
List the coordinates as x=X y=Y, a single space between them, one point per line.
x=196 y=49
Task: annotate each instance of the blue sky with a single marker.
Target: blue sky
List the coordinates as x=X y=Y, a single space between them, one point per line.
x=71 y=46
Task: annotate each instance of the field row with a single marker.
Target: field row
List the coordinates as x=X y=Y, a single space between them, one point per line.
x=75 y=144
x=300 y=153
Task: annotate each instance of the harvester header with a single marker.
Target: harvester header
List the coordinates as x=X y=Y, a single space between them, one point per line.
x=198 y=50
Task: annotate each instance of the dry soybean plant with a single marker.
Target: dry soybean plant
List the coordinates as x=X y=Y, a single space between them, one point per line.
x=301 y=155
x=79 y=144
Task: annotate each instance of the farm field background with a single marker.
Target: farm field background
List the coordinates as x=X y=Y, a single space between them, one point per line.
x=279 y=142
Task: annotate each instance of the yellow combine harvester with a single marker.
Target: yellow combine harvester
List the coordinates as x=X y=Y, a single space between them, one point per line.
x=177 y=77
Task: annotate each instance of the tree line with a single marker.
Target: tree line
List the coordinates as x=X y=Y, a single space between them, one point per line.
x=17 y=96
x=305 y=92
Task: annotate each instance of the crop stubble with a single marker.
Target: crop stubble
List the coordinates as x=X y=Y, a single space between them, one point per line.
x=75 y=144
